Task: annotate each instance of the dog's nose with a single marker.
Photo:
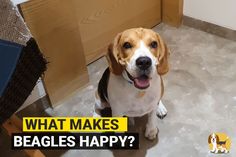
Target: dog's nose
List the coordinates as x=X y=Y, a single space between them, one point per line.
x=143 y=63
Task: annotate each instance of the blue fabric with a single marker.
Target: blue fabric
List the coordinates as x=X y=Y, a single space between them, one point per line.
x=9 y=55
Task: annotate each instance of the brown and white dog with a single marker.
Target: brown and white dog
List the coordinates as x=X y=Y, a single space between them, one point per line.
x=132 y=85
x=217 y=145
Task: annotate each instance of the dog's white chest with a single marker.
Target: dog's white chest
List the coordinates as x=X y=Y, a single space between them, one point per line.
x=127 y=100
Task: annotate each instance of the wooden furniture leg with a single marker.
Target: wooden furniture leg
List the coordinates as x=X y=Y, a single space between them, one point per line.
x=14 y=125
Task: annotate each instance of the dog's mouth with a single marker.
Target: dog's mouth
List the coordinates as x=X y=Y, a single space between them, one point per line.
x=141 y=82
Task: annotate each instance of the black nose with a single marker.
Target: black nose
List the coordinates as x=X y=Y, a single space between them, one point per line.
x=143 y=63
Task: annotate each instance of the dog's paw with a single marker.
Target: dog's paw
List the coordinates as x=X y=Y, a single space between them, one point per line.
x=96 y=115
x=151 y=133
x=161 y=111
x=161 y=114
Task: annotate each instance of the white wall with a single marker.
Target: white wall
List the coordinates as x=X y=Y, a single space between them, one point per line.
x=219 y=12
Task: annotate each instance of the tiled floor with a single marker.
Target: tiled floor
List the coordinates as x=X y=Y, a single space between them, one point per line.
x=200 y=95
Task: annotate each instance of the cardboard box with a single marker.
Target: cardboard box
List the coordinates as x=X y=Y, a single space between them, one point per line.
x=53 y=24
x=100 y=21
x=172 y=12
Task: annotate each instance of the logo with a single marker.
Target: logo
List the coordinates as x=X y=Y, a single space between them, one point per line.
x=219 y=143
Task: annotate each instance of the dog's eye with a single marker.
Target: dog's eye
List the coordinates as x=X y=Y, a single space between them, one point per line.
x=127 y=45
x=153 y=44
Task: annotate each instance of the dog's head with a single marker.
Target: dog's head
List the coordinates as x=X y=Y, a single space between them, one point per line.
x=139 y=52
x=213 y=138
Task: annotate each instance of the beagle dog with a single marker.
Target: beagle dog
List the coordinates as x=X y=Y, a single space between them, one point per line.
x=132 y=86
x=217 y=145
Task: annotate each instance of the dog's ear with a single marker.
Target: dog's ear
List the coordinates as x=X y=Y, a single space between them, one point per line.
x=209 y=139
x=217 y=139
x=113 y=56
x=163 y=57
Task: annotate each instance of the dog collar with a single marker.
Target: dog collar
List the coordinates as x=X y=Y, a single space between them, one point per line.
x=126 y=76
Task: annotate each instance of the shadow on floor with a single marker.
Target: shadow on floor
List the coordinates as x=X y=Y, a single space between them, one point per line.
x=144 y=144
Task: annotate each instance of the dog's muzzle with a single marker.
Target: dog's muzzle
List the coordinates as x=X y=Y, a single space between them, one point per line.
x=142 y=80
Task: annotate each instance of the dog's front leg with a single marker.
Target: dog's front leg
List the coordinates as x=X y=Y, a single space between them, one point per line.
x=151 y=127
x=99 y=106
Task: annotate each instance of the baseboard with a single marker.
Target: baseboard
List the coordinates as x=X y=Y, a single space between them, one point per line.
x=210 y=28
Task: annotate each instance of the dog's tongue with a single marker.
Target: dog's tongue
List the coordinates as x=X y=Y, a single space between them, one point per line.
x=141 y=82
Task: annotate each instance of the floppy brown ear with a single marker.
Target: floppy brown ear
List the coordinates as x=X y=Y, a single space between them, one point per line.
x=163 y=66
x=217 y=139
x=113 y=58
x=209 y=139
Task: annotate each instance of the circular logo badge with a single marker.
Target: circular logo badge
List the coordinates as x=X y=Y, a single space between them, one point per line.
x=219 y=143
